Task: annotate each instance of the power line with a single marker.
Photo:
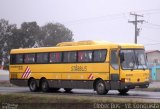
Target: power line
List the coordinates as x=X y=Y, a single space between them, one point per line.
x=99 y=18
x=152 y=44
x=153 y=24
x=111 y=16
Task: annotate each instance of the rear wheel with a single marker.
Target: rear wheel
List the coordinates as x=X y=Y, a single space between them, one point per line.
x=68 y=89
x=101 y=88
x=123 y=91
x=44 y=85
x=33 y=85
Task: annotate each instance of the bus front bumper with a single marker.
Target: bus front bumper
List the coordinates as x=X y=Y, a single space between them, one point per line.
x=134 y=85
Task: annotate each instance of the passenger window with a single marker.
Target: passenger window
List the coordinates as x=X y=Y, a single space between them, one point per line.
x=55 y=57
x=85 y=56
x=29 y=58
x=42 y=57
x=19 y=59
x=16 y=59
x=100 y=55
x=114 y=59
x=70 y=56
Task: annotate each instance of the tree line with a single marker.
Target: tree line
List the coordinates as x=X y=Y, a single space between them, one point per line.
x=29 y=35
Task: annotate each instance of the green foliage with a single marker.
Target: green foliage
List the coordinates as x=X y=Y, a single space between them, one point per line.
x=55 y=33
x=29 y=35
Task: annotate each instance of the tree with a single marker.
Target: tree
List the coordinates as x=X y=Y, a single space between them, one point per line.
x=29 y=35
x=5 y=34
x=55 y=33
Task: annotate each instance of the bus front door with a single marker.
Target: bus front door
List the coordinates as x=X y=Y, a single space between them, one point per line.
x=114 y=69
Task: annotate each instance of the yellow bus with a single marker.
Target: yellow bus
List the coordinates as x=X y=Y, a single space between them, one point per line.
x=101 y=66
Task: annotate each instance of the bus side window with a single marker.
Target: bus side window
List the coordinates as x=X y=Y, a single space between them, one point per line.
x=42 y=58
x=85 y=56
x=70 y=56
x=13 y=59
x=29 y=58
x=80 y=56
x=19 y=59
x=100 y=55
x=55 y=57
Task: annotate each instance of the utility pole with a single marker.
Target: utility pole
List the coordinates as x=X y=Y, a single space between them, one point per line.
x=135 y=22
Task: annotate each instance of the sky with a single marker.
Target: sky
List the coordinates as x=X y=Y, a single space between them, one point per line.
x=105 y=20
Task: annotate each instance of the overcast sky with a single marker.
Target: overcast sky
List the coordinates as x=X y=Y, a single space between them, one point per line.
x=91 y=19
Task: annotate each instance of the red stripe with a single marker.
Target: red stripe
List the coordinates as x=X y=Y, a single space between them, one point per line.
x=28 y=73
x=25 y=72
x=90 y=76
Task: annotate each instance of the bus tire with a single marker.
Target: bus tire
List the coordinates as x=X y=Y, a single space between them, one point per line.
x=101 y=88
x=33 y=85
x=44 y=85
x=123 y=91
x=67 y=89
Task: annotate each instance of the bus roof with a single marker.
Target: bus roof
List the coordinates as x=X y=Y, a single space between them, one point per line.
x=127 y=45
x=72 y=46
x=68 y=46
x=89 y=42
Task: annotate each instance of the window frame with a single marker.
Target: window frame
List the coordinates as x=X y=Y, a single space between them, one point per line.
x=66 y=52
x=36 y=62
x=15 y=57
x=34 y=58
x=104 y=58
x=55 y=62
x=62 y=57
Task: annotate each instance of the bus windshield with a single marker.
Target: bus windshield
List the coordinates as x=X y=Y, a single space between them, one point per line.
x=133 y=59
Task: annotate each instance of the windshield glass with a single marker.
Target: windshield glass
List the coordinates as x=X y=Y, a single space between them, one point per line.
x=133 y=59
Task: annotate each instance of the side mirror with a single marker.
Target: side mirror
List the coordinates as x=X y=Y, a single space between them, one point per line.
x=121 y=57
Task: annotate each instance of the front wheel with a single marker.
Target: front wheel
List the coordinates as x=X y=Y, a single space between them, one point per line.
x=33 y=85
x=123 y=91
x=44 y=85
x=101 y=88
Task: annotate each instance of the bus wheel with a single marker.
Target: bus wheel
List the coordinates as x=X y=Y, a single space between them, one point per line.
x=68 y=89
x=33 y=85
x=44 y=85
x=101 y=88
x=123 y=91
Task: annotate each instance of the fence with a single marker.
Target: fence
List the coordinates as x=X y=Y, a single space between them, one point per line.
x=155 y=73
